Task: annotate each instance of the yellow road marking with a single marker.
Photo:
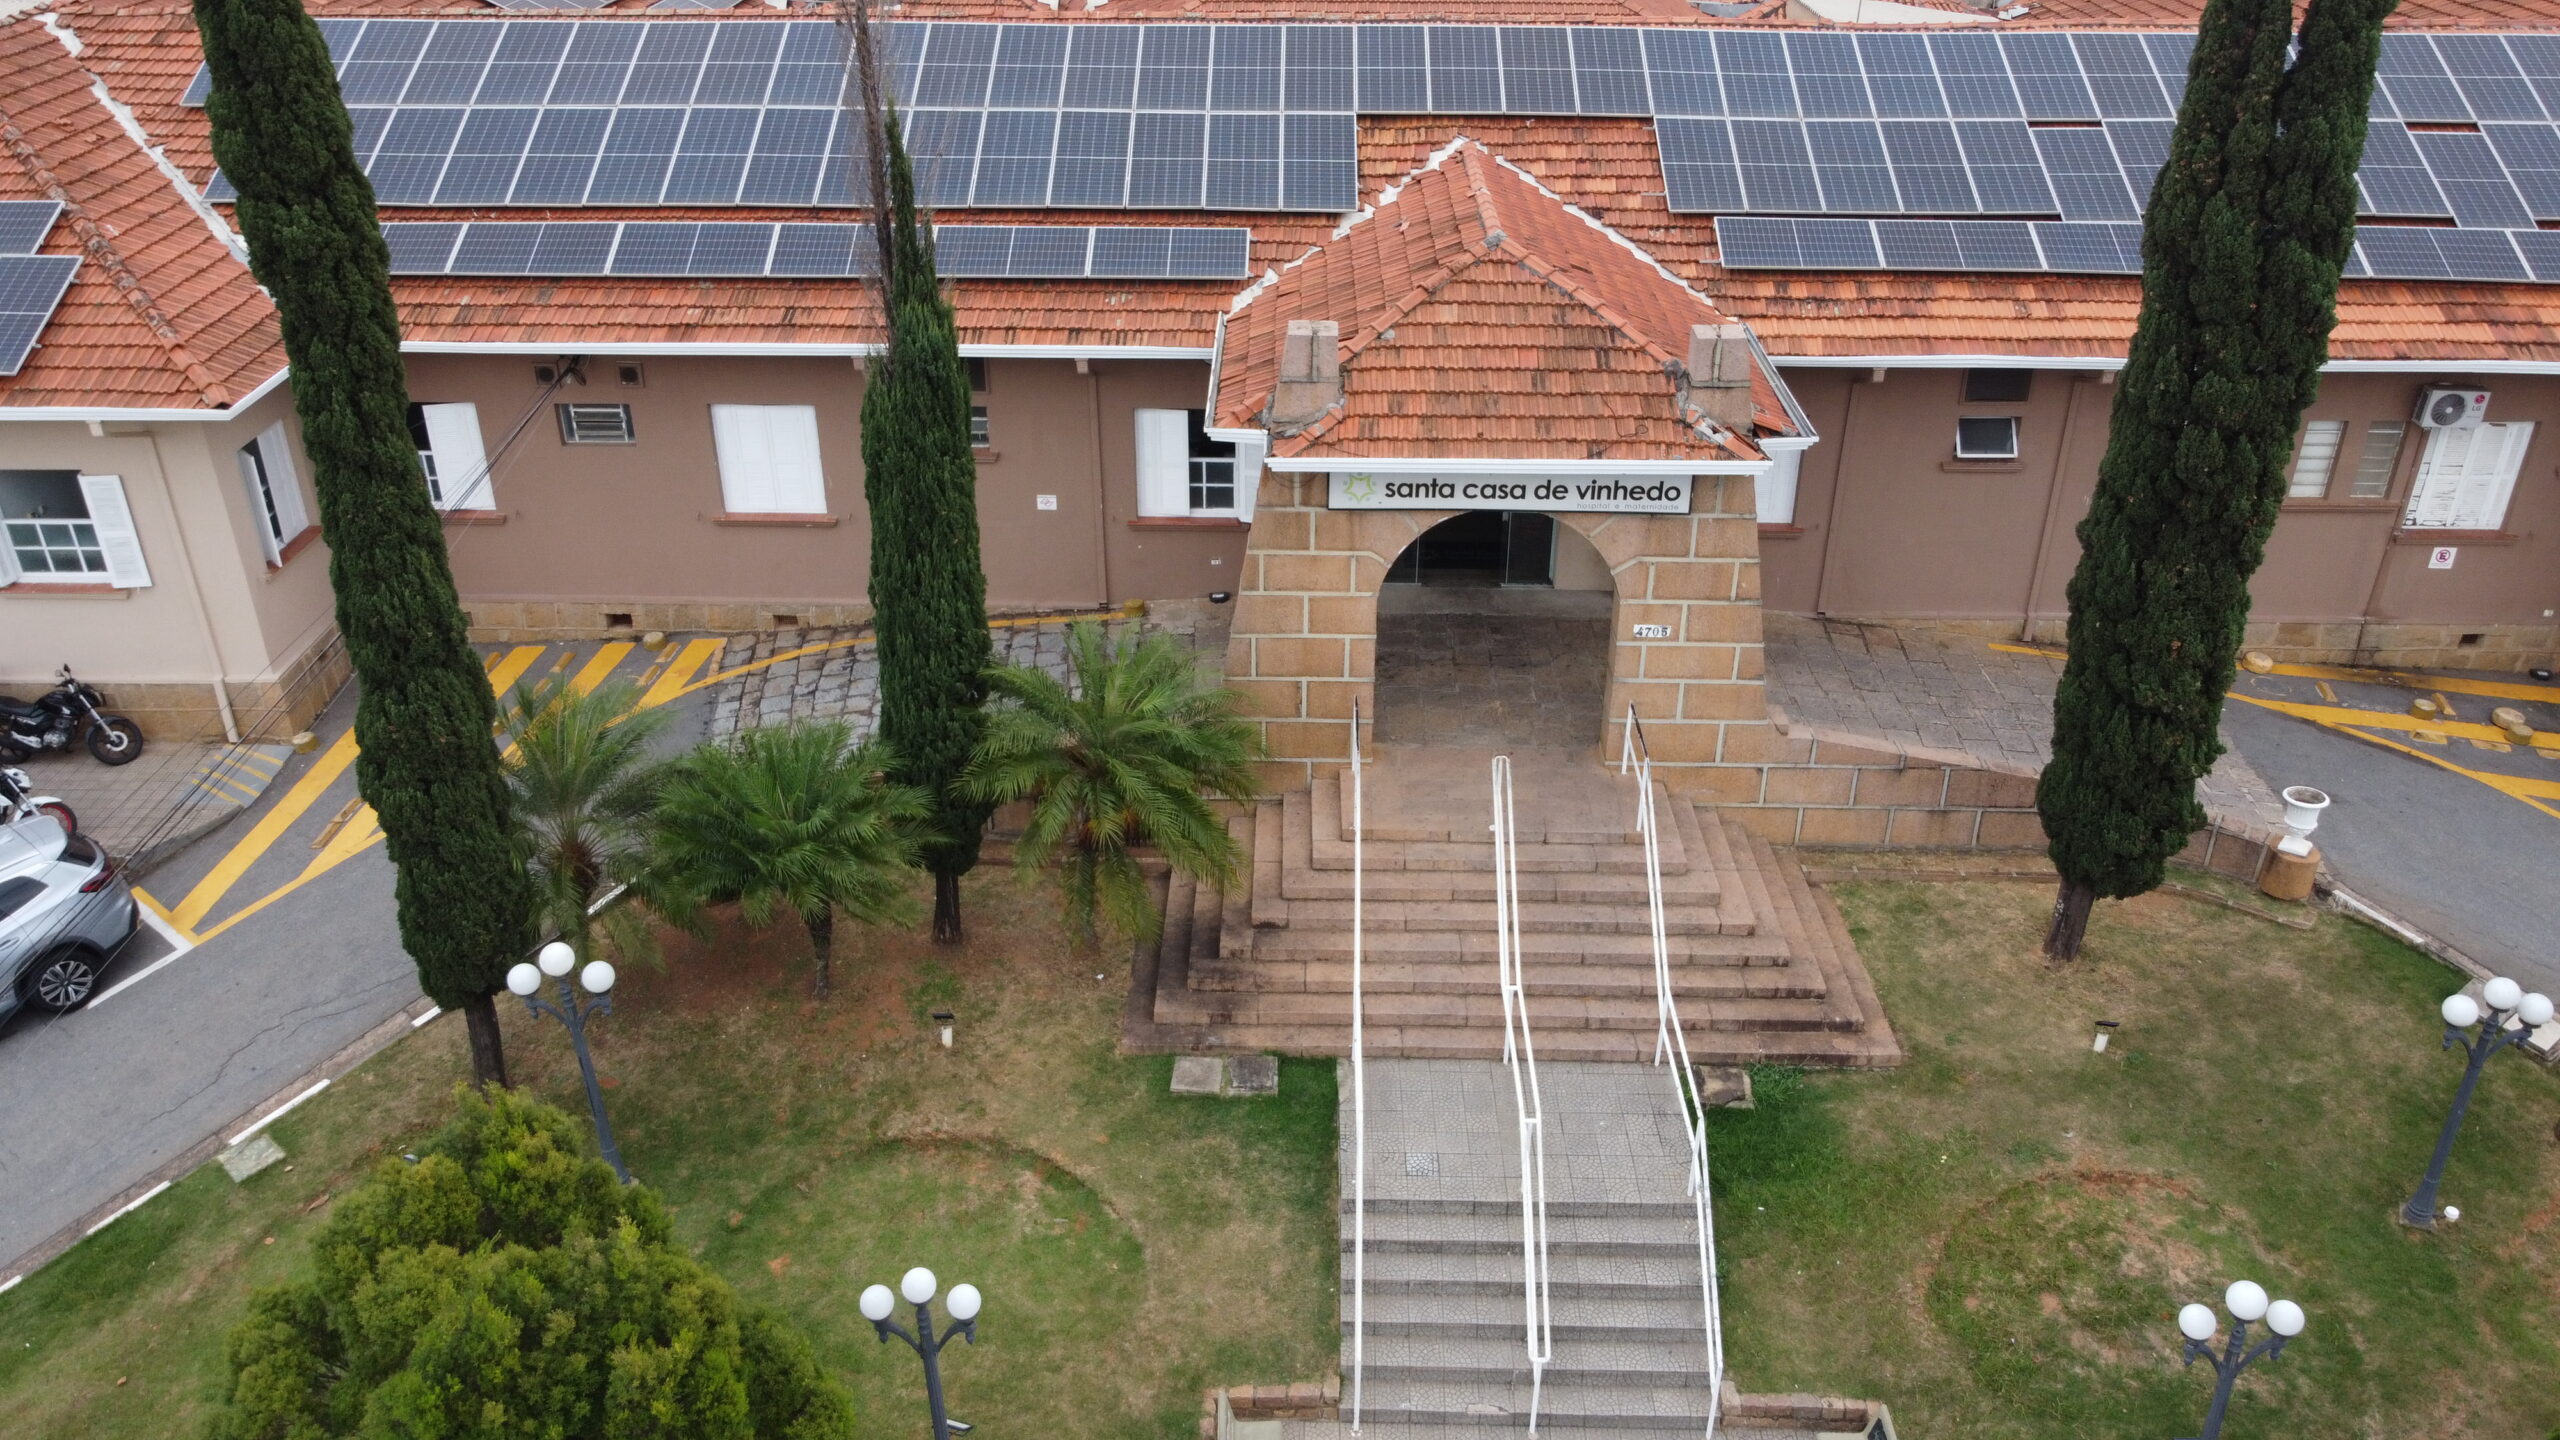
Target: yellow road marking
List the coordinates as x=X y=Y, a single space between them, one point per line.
x=2361 y=724
x=2405 y=679
x=144 y=897
x=270 y=828
x=678 y=668
x=239 y=792
x=505 y=673
x=602 y=665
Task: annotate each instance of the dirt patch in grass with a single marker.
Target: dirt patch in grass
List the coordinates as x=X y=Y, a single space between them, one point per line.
x=1133 y=1246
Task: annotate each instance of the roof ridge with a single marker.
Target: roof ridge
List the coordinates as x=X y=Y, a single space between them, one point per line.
x=1528 y=258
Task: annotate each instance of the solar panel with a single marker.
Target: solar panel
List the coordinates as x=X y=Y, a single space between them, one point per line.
x=1245 y=67
x=377 y=69
x=2143 y=146
x=1102 y=66
x=1830 y=82
x=560 y=159
x=2416 y=81
x=1928 y=167
x=2480 y=255
x=449 y=69
x=2087 y=178
x=594 y=69
x=411 y=157
x=1900 y=76
x=2085 y=249
x=1698 y=170
x=25 y=223
x=2488 y=77
x=711 y=159
x=2531 y=154
x=523 y=66
x=1849 y=166
x=2539 y=57
x=2048 y=75
x=1244 y=163
x=791 y=154
x=31 y=289
x=812 y=68
x=1745 y=242
x=2395 y=177
x=482 y=170
x=944 y=146
x=2120 y=77
x=1395 y=70
x=1537 y=71
x=2170 y=56
x=2473 y=181
x=637 y=153
x=199 y=86
x=1680 y=67
x=1757 y=78
x=1013 y=157
x=2417 y=252
x=1608 y=63
x=1173 y=68
x=669 y=65
x=1323 y=70
x=1777 y=168
x=2007 y=173
x=1957 y=245
x=1319 y=169
x=740 y=68
x=1975 y=76
x=2541 y=250
x=1167 y=158
x=1466 y=69
x=1092 y=166
x=797 y=250
x=1031 y=67
x=959 y=63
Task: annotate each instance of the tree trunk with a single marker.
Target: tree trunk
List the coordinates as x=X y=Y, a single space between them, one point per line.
x=488 y=1053
x=822 y=944
x=946 y=909
x=2070 y=920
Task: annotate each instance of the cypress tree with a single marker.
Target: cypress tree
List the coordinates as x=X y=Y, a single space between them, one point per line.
x=424 y=712
x=2247 y=232
x=920 y=479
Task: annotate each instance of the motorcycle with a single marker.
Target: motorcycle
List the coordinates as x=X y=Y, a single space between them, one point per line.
x=58 y=716
x=18 y=801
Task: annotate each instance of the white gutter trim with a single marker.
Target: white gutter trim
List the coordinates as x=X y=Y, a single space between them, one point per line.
x=2414 y=366
x=1402 y=465
x=138 y=415
x=568 y=346
x=1781 y=444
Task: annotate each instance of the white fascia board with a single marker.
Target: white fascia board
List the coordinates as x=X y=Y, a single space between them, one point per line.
x=1781 y=444
x=2444 y=367
x=744 y=348
x=140 y=415
x=1406 y=466
x=2413 y=366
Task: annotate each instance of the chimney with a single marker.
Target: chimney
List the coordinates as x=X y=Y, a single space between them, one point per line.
x=1720 y=366
x=1310 y=373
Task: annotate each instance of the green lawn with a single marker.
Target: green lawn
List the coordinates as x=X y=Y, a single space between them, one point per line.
x=1996 y=1238
x=1134 y=1247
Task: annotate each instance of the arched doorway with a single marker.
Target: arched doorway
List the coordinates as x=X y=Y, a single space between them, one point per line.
x=1493 y=631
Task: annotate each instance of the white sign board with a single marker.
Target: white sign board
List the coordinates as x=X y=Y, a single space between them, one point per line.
x=1044 y=502
x=2441 y=557
x=1653 y=632
x=1614 y=494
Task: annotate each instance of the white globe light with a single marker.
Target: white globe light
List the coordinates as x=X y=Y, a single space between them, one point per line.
x=877 y=1302
x=2246 y=1299
x=597 y=977
x=2502 y=993
x=2196 y=1322
x=2285 y=1318
x=524 y=979
x=556 y=958
x=918 y=1286
x=963 y=1302
x=2460 y=1011
x=2451 y=1213
x=2535 y=1012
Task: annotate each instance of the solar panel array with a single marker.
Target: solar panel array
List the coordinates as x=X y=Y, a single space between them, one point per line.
x=2382 y=252
x=716 y=249
x=31 y=285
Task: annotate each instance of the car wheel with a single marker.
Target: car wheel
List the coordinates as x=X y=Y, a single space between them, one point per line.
x=61 y=813
x=64 y=980
x=115 y=742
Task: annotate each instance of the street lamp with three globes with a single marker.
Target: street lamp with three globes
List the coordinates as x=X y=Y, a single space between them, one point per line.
x=555 y=960
x=2501 y=1000
x=917 y=1286
x=2247 y=1301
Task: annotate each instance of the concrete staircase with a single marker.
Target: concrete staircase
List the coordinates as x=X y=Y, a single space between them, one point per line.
x=1762 y=967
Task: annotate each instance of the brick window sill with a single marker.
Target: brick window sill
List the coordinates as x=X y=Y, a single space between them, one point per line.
x=985 y=454
x=785 y=520
x=42 y=588
x=2433 y=538
x=1188 y=522
x=293 y=547
x=475 y=517
x=1981 y=467
x=2350 y=507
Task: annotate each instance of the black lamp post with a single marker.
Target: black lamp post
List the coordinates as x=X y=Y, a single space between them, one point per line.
x=2504 y=998
x=2247 y=1301
x=555 y=961
x=917 y=1287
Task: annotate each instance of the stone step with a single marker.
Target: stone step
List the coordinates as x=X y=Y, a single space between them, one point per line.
x=1553 y=947
x=1439 y=795
x=1502 y=1315
x=1625 y=919
x=1332 y=845
x=1562 y=1405
x=1622 y=977
x=1666 y=1277
x=1628 y=1235
x=1596 y=1362
x=1812 y=1049
x=1550 y=1017
x=1303 y=876
x=1374 y=1429
x=1509 y=1204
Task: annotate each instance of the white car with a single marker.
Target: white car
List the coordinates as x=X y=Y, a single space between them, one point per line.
x=65 y=910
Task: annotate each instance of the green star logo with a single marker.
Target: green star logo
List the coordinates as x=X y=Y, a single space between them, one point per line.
x=1360 y=489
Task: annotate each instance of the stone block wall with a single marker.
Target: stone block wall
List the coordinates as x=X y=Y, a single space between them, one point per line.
x=269 y=709
x=1303 y=650
x=513 y=622
x=2388 y=645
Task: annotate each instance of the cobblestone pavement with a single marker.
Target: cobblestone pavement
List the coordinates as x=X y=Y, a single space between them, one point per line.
x=834 y=673
x=1920 y=688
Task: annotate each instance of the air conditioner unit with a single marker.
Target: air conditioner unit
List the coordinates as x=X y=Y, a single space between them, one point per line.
x=2441 y=407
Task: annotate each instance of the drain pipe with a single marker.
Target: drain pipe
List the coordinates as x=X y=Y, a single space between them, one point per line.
x=2052 y=507
x=195 y=583
x=1839 y=482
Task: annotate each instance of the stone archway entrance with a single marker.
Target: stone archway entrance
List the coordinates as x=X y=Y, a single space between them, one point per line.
x=1493 y=631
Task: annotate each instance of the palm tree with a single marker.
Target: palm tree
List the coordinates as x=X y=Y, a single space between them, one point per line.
x=796 y=818
x=582 y=783
x=1119 y=760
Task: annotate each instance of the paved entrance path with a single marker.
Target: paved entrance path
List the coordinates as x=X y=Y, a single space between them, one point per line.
x=1456 y=667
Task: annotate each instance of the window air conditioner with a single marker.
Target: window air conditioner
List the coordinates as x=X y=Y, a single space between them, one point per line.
x=2442 y=407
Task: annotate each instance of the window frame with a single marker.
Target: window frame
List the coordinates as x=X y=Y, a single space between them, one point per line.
x=107 y=512
x=568 y=432
x=1982 y=456
x=438 y=461
x=2303 y=450
x=1990 y=385
x=2517 y=447
x=981 y=432
x=781 y=439
x=2399 y=432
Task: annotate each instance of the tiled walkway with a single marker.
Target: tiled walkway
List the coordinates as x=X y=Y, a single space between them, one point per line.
x=155 y=805
x=1945 y=694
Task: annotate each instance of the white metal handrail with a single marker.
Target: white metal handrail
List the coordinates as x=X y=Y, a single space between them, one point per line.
x=1670 y=1042
x=1359 y=1107
x=1520 y=1053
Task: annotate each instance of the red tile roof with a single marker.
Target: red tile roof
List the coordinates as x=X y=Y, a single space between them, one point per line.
x=162 y=314
x=1468 y=298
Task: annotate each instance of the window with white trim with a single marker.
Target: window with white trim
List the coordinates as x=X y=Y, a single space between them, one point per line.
x=2465 y=477
x=65 y=528
x=2314 y=458
x=450 y=452
x=1181 y=470
x=1987 y=438
x=275 y=492
x=980 y=437
x=769 y=459
x=2381 y=457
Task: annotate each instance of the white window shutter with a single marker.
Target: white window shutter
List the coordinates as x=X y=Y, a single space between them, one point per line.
x=9 y=571
x=2465 y=477
x=258 y=482
x=744 y=441
x=292 y=515
x=453 y=437
x=799 y=483
x=116 y=535
x=1164 y=462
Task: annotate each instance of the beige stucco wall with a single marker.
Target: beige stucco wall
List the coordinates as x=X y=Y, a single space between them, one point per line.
x=1889 y=525
x=582 y=531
